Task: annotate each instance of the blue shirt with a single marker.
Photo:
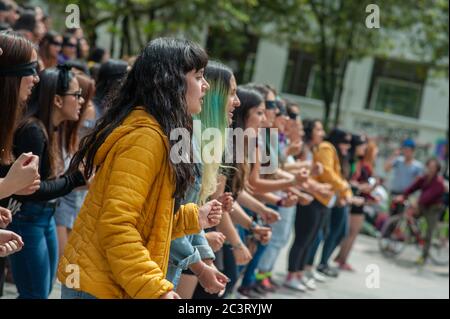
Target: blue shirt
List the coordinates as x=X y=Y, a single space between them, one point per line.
x=404 y=174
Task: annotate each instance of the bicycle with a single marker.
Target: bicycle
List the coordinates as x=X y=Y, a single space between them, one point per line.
x=403 y=228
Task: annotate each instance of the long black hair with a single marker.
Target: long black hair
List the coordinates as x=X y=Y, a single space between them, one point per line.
x=250 y=98
x=53 y=81
x=336 y=137
x=157 y=81
x=108 y=76
x=16 y=50
x=308 y=128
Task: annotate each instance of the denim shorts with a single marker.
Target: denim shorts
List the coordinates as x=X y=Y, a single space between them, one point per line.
x=69 y=206
x=69 y=293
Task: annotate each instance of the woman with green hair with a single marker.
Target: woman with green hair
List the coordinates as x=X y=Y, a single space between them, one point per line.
x=194 y=252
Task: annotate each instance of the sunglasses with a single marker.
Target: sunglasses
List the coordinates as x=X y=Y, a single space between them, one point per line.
x=77 y=94
x=271 y=105
x=59 y=44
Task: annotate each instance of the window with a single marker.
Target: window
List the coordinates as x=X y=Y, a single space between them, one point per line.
x=302 y=75
x=298 y=72
x=396 y=88
x=315 y=84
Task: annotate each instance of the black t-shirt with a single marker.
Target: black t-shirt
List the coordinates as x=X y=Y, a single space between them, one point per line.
x=32 y=138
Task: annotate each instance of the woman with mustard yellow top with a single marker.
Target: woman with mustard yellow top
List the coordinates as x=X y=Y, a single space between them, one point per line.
x=119 y=246
x=309 y=218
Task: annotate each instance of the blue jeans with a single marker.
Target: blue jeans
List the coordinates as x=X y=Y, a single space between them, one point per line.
x=250 y=269
x=69 y=293
x=229 y=268
x=332 y=234
x=185 y=251
x=281 y=231
x=34 y=267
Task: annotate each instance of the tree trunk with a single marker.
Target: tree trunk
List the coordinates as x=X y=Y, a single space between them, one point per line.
x=112 y=46
x=125 y=37
x=339 y=94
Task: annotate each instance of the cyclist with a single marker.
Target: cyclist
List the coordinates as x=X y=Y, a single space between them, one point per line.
x=405 y=168
x=430 y=201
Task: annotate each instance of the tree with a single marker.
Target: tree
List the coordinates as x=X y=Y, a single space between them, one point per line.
x=338 y=32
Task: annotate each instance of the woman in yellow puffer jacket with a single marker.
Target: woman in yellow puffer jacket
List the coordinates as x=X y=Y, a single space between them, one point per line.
x=119 y=246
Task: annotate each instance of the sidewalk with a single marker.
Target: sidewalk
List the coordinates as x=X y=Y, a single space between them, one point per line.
x=399 y=278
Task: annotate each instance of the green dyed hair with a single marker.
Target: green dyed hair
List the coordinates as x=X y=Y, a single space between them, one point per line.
x=214 y=115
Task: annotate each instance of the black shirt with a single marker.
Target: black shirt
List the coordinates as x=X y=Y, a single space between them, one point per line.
x=32 y=138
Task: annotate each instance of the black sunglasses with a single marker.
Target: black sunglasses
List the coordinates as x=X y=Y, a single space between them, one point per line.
x=56 y=43
x=271 y=105
x=78 y=94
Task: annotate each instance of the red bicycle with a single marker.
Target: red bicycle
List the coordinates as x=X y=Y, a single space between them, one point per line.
x=404 y=228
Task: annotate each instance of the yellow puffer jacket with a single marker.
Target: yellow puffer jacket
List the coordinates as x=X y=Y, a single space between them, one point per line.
x=327 y=155
x=121 y=239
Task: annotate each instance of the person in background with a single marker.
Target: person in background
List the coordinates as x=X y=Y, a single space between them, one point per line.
x=9 y=12
x=55 y=100
x=431 y=200
x=109 y=77
x=10 y=243
x=18 y=75
x=68 y=49
x=405 y=168
x=49 y=49
x=97 y=57
x=366 y=153
x=69 y=205
x=30 y=27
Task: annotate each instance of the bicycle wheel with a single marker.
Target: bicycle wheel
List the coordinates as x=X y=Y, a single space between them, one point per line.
x=395 y=236
x=439 y=250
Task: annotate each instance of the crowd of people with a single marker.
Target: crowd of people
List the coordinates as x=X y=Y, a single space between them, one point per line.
x=88 y=178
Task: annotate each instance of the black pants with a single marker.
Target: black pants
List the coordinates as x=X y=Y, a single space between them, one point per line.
x=308 y=221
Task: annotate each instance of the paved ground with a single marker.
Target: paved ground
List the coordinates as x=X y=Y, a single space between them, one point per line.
x=399 y=278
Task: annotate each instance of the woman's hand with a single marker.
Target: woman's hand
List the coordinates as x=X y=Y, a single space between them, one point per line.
x=212 y=280
x=304 y=199
x=325 y=190
x=170 y=295
x=227 y=201
x=290 y=200
x=242 y=255
x=5 y=217
x=302 y=175
x=23 y=176
x=317 y=169
x=215 y=240
x=294 y=148
x=263 y=234
x=210 y=214
x=31 y=189
x=357 y=201
x=10 y=243
x=269 y=215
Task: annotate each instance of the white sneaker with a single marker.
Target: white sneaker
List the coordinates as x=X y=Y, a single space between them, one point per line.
x=295 y=284
x=316 y=276
x=309 y=283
